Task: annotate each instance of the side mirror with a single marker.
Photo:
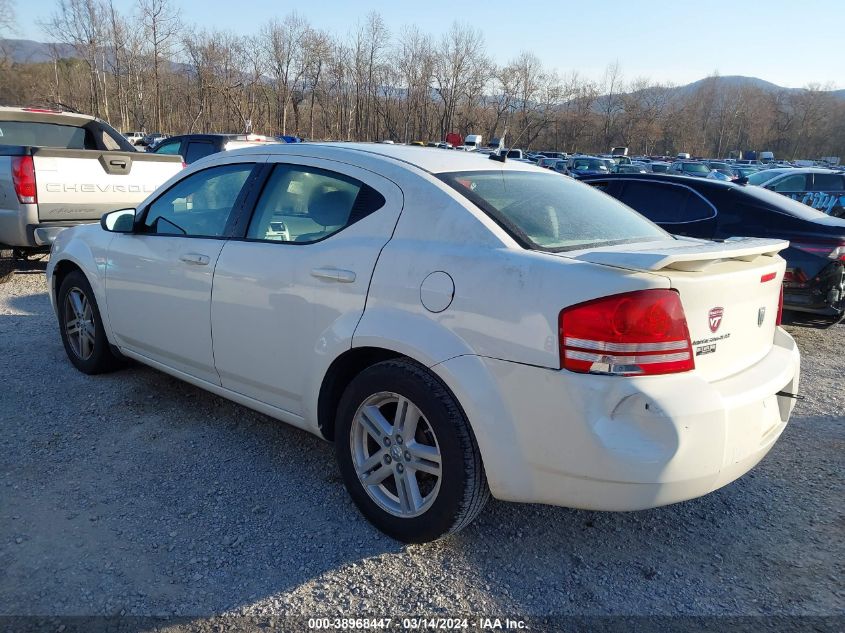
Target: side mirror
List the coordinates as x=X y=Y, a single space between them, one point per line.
x=120 y=221
x=742 y=180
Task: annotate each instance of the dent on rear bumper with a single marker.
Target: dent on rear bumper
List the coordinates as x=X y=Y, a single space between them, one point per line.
x=611 y=443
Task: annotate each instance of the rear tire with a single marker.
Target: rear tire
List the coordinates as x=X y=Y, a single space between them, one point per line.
x=7 y=263
x=424 y=471
x=81 y=327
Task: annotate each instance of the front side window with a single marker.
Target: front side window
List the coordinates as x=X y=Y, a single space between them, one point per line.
x=307 y=204
x=199 y=205
x=791 y=184
x=546 y=212
x=170 y=149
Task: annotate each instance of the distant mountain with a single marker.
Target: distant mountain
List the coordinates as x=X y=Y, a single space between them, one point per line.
x=32 y=52
x=731 y=81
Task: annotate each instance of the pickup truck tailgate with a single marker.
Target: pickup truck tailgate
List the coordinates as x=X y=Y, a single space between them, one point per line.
x=85 y=184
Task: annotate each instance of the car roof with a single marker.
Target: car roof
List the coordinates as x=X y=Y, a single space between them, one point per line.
x=671 y=178
x=45 y=115
x=431 y=159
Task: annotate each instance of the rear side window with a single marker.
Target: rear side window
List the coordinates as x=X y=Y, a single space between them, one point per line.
x=665 y=203
x=197 y=150
x=828 y=182
x=545 y=211
x=307 y=204
x=45 y=135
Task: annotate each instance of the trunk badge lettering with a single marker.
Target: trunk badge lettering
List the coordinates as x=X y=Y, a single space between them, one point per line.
x=715 y=318
x=761 y=316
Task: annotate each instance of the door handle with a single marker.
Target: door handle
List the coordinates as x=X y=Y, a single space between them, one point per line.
x=195 y=258
x=334 y=274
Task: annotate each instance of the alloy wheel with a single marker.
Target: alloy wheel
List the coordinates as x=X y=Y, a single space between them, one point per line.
x=396 y=455
x=79 y=323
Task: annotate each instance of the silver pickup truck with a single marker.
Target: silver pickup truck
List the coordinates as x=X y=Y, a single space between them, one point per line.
x=60 y=169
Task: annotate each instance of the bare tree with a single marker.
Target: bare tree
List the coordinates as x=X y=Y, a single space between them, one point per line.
x=285 y=45
x=460 y=55
x=368 y=85
x=161 y=25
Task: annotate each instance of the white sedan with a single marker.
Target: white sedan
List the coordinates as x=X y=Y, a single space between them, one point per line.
x=458 y=326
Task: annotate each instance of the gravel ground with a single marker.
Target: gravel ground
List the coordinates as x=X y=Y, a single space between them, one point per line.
x=134 y=493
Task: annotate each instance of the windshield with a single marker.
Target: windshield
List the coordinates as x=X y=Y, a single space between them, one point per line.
x=544 y=211
x=696 y=168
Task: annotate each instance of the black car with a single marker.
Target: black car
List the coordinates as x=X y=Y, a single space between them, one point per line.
x=717 y=210
x=192 y=147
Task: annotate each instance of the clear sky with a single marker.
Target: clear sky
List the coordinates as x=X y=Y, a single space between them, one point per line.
x=788 y=42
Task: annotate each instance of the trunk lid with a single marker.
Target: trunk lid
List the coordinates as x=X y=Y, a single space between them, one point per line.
x=730 y=292
x=85 y=184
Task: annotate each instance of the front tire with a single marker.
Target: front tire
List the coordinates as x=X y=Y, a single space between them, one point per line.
x=407 y=454
x=81 y=327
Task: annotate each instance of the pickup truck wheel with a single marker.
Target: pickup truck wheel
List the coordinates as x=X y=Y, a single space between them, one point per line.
x=81 y=327
x=407 y=454
x=7 y=263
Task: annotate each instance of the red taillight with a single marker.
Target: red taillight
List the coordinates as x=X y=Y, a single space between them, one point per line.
x=779 y=317
x=631 y=334
x=832 y=249
x=23 y=179
x=767 y=277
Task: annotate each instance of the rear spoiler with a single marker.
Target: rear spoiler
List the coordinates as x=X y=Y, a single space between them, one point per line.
x=684 y=254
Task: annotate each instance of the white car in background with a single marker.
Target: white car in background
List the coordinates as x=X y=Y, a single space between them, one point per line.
x=456 y=325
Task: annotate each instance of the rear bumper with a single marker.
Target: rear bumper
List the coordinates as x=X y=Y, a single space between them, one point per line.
x=17 y=233
x=611 y=443
x=21 y=228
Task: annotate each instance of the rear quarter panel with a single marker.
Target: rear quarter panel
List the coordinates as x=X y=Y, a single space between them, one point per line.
x=506 y=299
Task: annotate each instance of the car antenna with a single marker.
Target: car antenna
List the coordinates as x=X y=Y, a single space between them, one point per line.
x=497 y=155
x=501 y=158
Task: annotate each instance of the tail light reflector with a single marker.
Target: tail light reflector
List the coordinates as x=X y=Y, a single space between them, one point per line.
x=630 y=334
x=23 y=179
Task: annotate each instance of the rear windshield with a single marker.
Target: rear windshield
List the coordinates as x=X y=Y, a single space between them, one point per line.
x=547 y=211
x=45 y=135
x=764 y=176
x=785 y=204
x=696 y=168
x=588 y=163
